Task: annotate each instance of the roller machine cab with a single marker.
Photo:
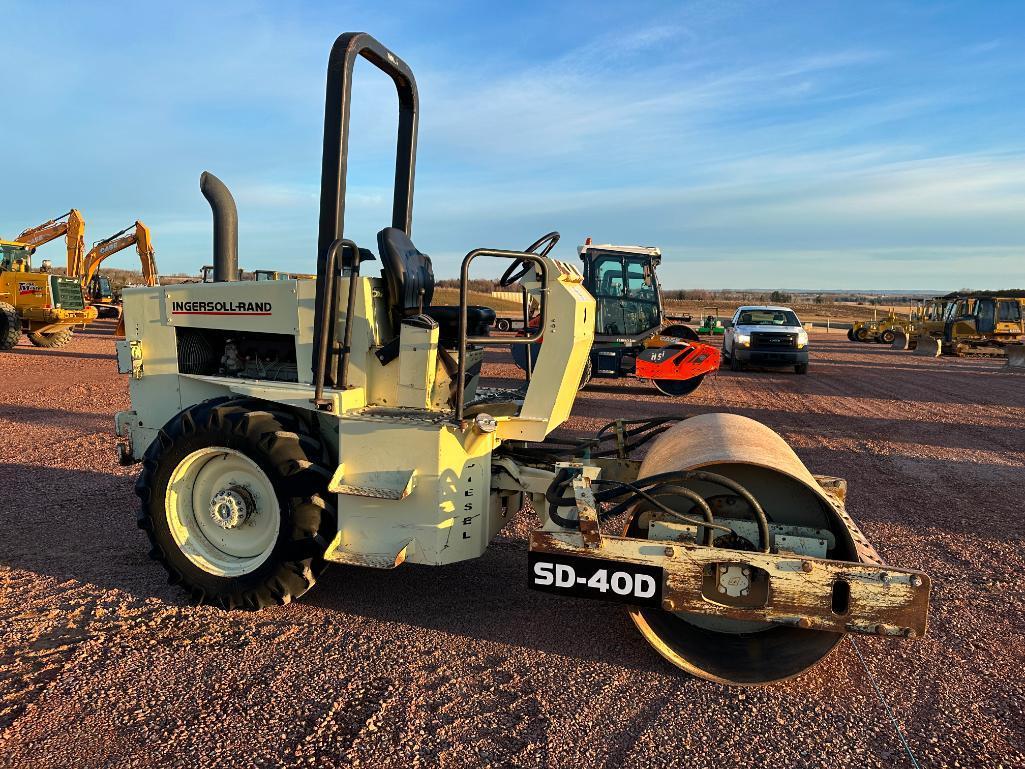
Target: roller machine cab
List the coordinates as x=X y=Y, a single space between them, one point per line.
x=284 y=424
x=633 y=337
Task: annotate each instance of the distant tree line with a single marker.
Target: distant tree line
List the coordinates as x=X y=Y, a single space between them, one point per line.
x=781 y=296
x=474 y=284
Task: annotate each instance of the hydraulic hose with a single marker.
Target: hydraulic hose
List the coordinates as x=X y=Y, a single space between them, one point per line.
x=697 y=499
x=719 y=480
x=618 y=489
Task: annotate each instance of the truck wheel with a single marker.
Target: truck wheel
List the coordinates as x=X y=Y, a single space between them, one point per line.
x=53 y=339
x=735 y=364
x=233 y=502
x=850 y=334
x=861 y=334
x=801 y=368
x=676 y=387
x=503 y=324
x=10 y=326
x=887 y=337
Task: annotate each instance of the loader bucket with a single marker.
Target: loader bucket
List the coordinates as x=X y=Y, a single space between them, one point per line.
x=709 y=645
x=901 y=341
x=1015 y=357
x=929 y=346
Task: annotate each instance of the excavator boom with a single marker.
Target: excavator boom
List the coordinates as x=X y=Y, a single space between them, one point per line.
x=141 y=238
x=72 y=226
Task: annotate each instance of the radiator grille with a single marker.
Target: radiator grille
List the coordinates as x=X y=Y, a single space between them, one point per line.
x=773 y=340
x=67 y=293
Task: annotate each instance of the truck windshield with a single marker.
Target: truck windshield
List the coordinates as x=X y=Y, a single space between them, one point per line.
x=768 y=318
x=627 y=295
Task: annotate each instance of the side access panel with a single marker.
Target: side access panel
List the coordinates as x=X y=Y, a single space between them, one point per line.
x=410 y=487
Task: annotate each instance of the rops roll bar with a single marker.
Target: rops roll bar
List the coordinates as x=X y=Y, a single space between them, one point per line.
x=487 y=340
x=335 y=165
x=326 y=366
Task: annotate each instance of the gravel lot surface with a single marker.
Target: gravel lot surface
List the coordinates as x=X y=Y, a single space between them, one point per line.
x=102 y=664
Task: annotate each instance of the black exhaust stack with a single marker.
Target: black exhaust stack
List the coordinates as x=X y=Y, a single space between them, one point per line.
x=222 y=204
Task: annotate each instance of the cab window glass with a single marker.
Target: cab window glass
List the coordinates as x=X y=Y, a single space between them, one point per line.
x=768 y=318
x=610 y=277
x=985 y=312
x=1009 y=312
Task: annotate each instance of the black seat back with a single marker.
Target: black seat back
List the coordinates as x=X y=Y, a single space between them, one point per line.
x=408 y=276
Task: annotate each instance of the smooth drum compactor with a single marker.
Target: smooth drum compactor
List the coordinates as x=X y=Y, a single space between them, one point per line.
x=285 y=424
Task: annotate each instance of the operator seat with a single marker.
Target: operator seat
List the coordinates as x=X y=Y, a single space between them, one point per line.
x=409 y=282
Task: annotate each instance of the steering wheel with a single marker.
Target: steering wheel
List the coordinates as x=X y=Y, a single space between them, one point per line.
x=521 y=267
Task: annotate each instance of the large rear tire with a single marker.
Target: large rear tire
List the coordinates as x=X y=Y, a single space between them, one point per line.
x=233 y=501
x=887 y=337
x=53 y=339
x=850 y=334
x=10 y=326
x=861 y=334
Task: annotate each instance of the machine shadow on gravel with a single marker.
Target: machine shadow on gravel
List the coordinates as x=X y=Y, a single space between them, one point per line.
x=99 y=328
x=95 y=515
x=59 y=353
x=611 y=389
x=33 y=416
x=488 y=600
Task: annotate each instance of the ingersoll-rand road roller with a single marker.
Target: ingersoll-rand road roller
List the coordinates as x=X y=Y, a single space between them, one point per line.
x=283 y=425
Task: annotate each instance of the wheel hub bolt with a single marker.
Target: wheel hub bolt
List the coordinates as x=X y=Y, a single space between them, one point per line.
x=231 y=507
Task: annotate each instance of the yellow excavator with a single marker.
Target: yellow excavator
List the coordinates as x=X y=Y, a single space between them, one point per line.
x=96 y=286
x=45 y=307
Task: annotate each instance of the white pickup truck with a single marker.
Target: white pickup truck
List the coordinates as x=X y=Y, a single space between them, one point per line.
x=766 y=335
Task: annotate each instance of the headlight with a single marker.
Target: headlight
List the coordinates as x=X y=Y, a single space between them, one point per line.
x=744 y=340
x=802 y=338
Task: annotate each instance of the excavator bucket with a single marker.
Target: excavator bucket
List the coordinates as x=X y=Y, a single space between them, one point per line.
x=1016 y=357
x=929 y=346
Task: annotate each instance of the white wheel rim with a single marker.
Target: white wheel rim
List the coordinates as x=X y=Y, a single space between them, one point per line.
x=222 y=511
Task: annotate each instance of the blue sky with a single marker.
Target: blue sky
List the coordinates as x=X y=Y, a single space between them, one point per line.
x=846 y=145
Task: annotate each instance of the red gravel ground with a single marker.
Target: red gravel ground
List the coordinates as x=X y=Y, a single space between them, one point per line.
x=102 y=664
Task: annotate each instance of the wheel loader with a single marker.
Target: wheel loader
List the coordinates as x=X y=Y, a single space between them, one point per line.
x=46 y=307
x=284 y=425
x=633 y=335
